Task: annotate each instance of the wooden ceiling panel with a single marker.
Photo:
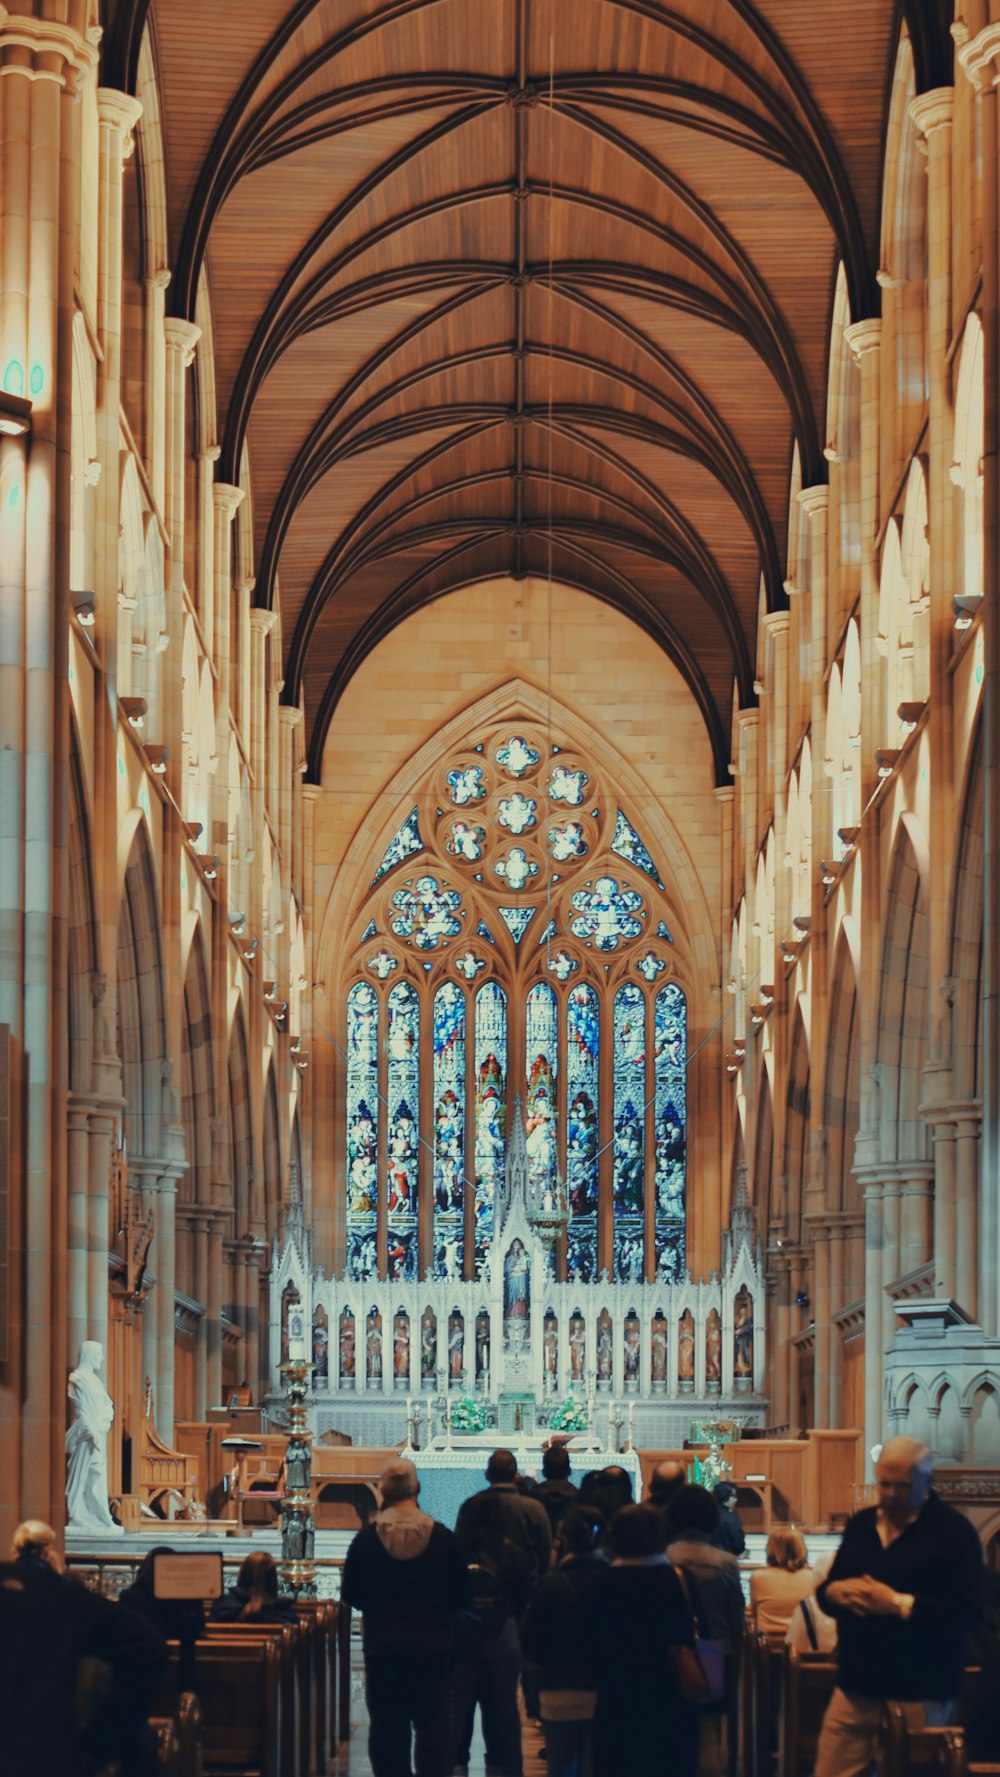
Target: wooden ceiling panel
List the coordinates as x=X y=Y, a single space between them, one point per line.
x=498 y=240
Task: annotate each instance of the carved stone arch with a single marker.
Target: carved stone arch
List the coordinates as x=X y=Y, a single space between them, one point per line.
x=967 y=470
x=141 y=1002
x=197 y=1073
x=763 y=1185
x=842 y=1086
x=966 y=947
x=901 y=1034
x=207 y=431
x=843 y=452
x=788 y=1205
x=902 y=273
x=83 y=456
x=86 y=982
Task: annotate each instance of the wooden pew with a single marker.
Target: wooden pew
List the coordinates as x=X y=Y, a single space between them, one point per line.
x=807 y=1684
x=322 y=1615
x=293 y=1690
x=343 y=1672
x=178 y=1739
x=240 y=1702
x=767 y=1654
x=905 y=1751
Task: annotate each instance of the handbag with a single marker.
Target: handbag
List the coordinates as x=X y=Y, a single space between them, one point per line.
x=700 y=1670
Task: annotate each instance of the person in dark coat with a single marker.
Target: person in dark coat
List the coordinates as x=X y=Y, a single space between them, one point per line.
x=176 y=1619
x=642 y=1724
x=255 y=1597
x=556 y=1491
x=713 y=1579
x=906 y=1588
x=729 y=1532
x=555 y=1633
x=50 y=1627
x=407 y=1576
x=607 y=1490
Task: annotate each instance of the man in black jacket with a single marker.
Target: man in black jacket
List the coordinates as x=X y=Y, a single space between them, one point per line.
x=407 y=1576
x=905 y=1588
x=556 y=1491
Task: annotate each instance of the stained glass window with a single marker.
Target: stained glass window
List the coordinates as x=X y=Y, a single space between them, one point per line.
x=449 y=1130
x=629 y=1130
x=670 y=1124
x=582 y=1128
x=403 y=1131
x=439 y=1001
x=541 y=1060
x=404 y=842
x=362 y=1130
x=491 y=1108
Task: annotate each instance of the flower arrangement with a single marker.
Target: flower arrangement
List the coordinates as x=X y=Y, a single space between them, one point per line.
x=570 y=1415
x=468 y=1414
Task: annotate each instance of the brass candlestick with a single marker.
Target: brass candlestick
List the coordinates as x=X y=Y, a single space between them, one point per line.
x=298 y=1525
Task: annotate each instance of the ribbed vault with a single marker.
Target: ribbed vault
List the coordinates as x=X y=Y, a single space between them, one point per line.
x=518 y=286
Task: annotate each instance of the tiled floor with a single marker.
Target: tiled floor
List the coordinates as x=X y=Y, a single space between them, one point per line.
x=353 y=1758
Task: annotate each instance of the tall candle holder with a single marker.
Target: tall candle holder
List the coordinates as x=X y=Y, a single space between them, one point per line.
x=298 y=1524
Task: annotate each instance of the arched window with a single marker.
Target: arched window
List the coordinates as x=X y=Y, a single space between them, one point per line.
x=515 y=944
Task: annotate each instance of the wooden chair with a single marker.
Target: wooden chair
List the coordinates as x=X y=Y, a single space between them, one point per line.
x=240 y=1702
x=807 y=1684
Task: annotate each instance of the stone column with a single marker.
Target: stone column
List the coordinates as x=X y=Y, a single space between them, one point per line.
x=836 y=1343
x=166 y=1287
x=967 y=1177
x=197 y=1220
x=102 y=1127
x=980 y=58
x=118 y=115
x=213 y=1339
x=874 y=1350
x=252 y=1255
x=78 y=1178
x=890 y=1255
x=942 y=1130
x=915 y=1217
x=821 y=1314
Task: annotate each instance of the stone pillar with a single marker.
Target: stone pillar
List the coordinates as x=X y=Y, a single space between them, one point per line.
x=213 y=1338
x=874 y=1350
x=836 y=1343
x=942 y=1130
x=980 y=58
x=118 y=115
x=821 y=1314
x=166 y=1287
x=252 y=1255
x=890 y=1256
x=967 y=1177
x=78 y=1179
x=102 y=1127
x=197 y=1221
x=915 y=1217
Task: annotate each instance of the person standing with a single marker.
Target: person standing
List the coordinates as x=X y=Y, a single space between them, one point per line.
x=905 y=1589
x=556 y=1492
x=506 y=1540
x=407 y=1576
x=712 y=1575
x=642 y=1724
x=555 y=1633
x=729 y=1532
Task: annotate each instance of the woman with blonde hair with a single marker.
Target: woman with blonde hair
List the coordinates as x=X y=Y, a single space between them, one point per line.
x=777 y=1589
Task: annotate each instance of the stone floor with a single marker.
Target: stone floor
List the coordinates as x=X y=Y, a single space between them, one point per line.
x=352 y=1760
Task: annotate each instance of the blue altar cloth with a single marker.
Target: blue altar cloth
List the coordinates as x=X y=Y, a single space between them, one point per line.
x=449 y=1477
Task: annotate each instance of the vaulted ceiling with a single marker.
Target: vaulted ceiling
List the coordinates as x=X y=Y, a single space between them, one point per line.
x=522 y=287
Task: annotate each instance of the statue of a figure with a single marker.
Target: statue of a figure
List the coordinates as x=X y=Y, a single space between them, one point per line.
x=87 y=1446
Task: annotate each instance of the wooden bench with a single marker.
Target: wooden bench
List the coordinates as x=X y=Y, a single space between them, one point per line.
x=238 y=1691
x=322 y=1616
x=904 y=1749
x=178 y=1740
x=293 y=1682
x=807 y=1684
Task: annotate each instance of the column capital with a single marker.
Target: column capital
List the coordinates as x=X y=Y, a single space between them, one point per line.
x=934 y=110
x=262 y=619
x=976 y=56
x=43 y=49
x=290 y=716
x=119 y=111
x=863 y=337
x=228 y=498
x=814 y=500
x=723 y=793
x=777 y=623
x=181 y=337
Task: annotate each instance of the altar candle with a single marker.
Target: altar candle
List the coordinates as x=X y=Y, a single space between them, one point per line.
x=430 y=1417
x=409 y=1412
x=631 y=1412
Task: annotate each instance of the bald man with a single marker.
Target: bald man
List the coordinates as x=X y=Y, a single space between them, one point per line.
x=905 y=1588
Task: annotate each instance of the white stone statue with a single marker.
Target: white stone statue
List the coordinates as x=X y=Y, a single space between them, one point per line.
x=87 y=1446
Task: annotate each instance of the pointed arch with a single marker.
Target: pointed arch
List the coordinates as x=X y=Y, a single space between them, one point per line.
x=903 y=1001
x=85 y=982
x=197 y=1075
x=842 y=1089
x=141 y=1000
x=240 y=1131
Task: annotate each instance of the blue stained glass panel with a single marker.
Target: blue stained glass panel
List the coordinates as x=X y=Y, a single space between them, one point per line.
x=516 y=868
x=566 y=843
x=629 y=846
x=567 y=786
x=466 y=785
x=516 y=756
x=403 y=1130
x=663 y=931
x=427 y=912
x=583 y=1035
x=449 y=1129
x=483 y=931
x=551 y=931
x=362 y=1130
x=541 y=1056
x=606 y=913
x=369 y=932
x=629 y=1129
x=670 y=1126
x=404 y=842
x=491 y=1108
x=517 y=920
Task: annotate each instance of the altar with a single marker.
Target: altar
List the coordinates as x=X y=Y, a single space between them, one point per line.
x=450 y=1476
x=665 y=1350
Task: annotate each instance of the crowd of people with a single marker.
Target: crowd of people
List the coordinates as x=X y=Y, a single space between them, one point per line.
x=619 y=1621
x=613 y=1619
